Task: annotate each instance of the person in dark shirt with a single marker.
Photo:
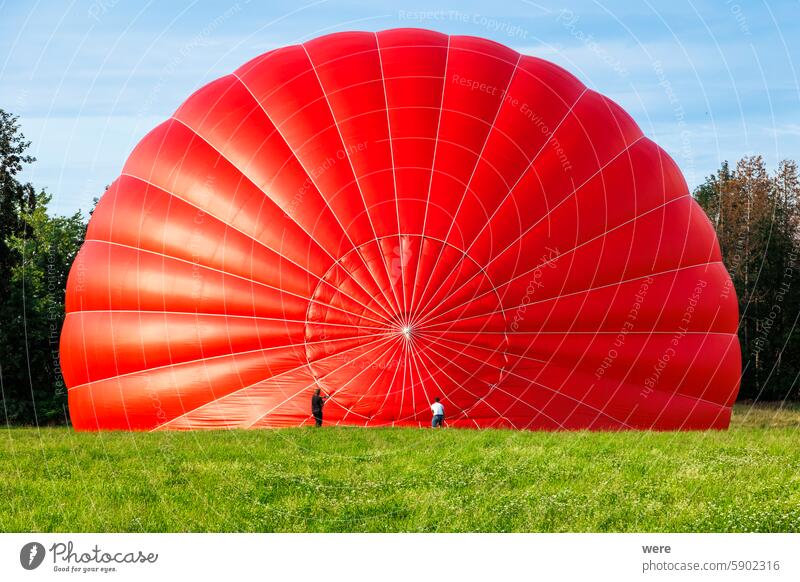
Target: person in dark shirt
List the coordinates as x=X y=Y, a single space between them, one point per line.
x=317 y=402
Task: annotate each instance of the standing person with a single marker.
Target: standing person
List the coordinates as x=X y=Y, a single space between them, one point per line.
x=317 y=402
x=437 y=408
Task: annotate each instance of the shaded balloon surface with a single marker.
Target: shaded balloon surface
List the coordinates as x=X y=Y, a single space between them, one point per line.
x=393 y=217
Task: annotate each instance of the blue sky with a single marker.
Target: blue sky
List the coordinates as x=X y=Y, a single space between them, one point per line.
x=708 y=81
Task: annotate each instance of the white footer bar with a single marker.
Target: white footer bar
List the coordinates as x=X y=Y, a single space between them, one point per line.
x=371 y=557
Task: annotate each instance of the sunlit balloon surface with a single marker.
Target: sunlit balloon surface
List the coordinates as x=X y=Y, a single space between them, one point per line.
x=393 y=217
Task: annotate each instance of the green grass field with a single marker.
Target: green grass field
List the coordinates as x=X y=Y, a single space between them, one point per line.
x=381 y=480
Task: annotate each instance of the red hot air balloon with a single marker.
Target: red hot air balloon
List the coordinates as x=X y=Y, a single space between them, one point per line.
x=393 y=217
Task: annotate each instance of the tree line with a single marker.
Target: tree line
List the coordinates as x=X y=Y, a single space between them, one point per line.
x=755 y=215
x=36 y=252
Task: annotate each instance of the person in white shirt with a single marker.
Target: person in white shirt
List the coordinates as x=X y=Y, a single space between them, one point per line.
x=437 y=408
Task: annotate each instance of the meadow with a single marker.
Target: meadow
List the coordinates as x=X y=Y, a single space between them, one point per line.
x=406 y=480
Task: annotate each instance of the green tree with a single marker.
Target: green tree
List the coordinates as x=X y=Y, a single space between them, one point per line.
x=36 y=252
x=15 y=197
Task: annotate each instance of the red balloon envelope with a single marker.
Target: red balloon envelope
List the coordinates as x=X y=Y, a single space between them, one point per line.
x=393 y=217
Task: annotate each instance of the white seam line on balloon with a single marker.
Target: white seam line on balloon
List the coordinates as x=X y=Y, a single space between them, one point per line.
x=534 y=382
x=389 y=388
x=200 y=314
x=646 y=51
x=443 y=338
x=465 y=413
x=238 y=390
x=336 y=392
x=299 y=111
x=693 y=208
x=407 y=387
x=228 y=355
x=498 y=298
x=251 y=237
x=229 y=274
x=497 y=387
x=418 y=358
x=494 y=386
x=295 y=395
x=699 y=398
x=410 y=386
x=509 y=282
x=315 y=184
x=558 y=297
x=557 y=257
x=413 y=354
x=620 y=384
x=389 y=391
x=589 y=332
x=439 y=341
x=455 y=248
x=478 y=160
x=430 y=181
x=616 y=283
x=455 y=145
x=413 y=357
x=201 y=122
x=403 y=319
x=348 y=410
x=616 y=293
x=266 y=194
x=551 y=362
x=391 y=353
x=521 y=176
x=459 y=386
x=567 y=197
x=352 y=168
x=399 y=410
